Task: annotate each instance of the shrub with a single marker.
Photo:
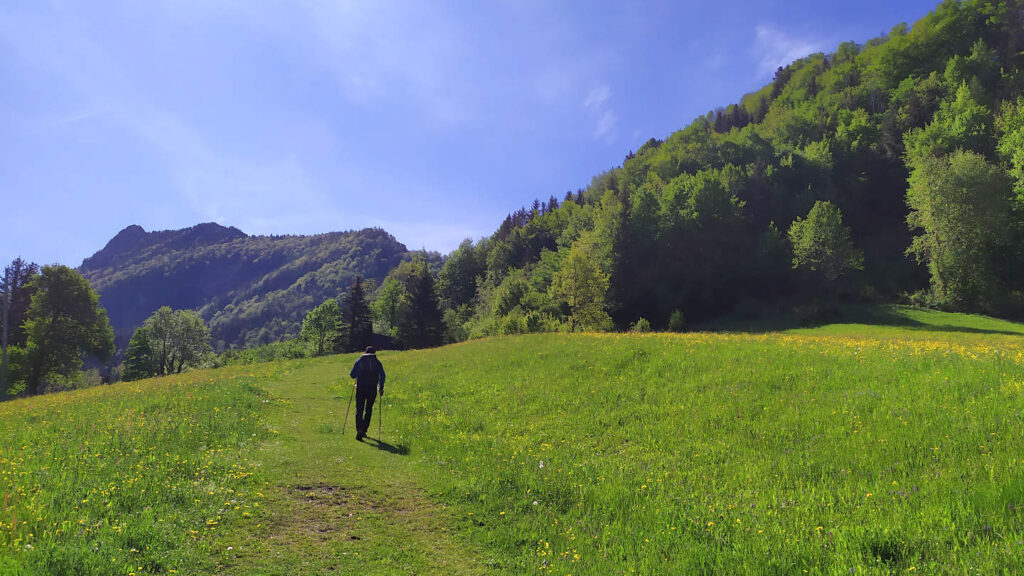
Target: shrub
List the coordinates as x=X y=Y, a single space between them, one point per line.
x=677 y=322
x=640 y=326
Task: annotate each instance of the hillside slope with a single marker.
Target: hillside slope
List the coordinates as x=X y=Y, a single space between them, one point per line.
x=551 y=454
x=695 y=223
x=250 y=289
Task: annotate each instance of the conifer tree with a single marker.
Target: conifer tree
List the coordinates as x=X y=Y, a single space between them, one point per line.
x=421 y=322
x=357 y=322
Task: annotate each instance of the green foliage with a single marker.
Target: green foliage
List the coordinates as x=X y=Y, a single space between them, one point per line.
x=356 y=319
x=961 y=123
x=641 y=326
x=959 y=203
x=387 y=306
x=168 y=342
x=18 y=283
x=321 y=328
x=460 y=273
x=139 y=361
x=64 y=324
x=275 y=351
x=511 y=294
x=583 y=287
x=822 y=244
x=677 y=321
x=420 y=320
x=1011 y=143
x=16 y=289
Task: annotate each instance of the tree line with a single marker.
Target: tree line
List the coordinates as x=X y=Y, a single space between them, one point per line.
x=892 y=170
x=53 y=328
x=51 y=323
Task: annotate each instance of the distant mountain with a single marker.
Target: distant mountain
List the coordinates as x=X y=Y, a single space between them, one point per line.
x=250 y=289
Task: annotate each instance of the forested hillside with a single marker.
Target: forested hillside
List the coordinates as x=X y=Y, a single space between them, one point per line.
x=892 y=170
x=900 y=162
x=249 y=289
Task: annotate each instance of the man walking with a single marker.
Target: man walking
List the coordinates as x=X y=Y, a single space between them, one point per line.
x=369 y=375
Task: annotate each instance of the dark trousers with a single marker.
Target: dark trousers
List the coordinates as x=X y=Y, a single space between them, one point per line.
x=365 y=398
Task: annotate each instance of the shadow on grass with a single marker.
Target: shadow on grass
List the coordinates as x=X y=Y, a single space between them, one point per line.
x=401 y=449
x=887 y=316
x=849 y=314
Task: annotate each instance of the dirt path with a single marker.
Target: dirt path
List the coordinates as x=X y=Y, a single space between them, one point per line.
x=338 y=506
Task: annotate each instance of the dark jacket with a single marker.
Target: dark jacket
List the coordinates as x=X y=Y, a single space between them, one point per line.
x=368 y=371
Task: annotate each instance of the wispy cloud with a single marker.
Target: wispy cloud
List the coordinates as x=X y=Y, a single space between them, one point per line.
x=597 y=105
x=216 y=185
x=388 y=53
x=774 y=48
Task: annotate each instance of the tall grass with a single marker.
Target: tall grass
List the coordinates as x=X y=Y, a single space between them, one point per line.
x=857 y=449
x=134 y=478
x=701 y=453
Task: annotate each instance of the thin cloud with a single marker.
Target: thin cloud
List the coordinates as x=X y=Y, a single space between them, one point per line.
x=597 y=105
x=381 y=52
x=774 y=48
x=215 y=185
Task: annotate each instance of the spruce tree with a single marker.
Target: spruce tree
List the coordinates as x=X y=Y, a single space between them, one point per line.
x=357 y=323
x=421 y=323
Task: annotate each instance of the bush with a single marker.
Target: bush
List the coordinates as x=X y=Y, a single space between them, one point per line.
x=677 y=322
x=640 y=326
x=514 y=323
x=88 y=379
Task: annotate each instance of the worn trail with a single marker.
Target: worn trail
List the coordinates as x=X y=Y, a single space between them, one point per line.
x=338 y=506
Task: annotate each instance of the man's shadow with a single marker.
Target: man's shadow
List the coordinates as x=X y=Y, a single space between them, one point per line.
x=401 y=449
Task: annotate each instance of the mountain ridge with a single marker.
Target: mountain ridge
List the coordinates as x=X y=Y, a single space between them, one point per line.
x=250 y=289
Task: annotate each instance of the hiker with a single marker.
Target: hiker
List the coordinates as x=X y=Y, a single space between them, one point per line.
x=369 y=375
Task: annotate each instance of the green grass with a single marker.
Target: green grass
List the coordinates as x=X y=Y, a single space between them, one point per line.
x=136 y=478
x=908 y=322
x=727 y=453
x=870 y=447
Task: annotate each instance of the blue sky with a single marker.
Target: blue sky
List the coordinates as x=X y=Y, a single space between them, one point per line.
x=432 y=120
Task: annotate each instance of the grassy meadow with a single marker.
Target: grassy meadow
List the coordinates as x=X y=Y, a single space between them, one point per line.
x=889 y=446
x=135 y=478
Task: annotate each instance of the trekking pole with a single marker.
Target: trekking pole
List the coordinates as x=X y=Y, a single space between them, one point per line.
x=381 y=418
x=345 y=422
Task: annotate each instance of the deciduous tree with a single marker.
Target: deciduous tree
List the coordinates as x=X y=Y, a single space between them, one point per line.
x=65 y=323
x=584 y=287
x=822 y=245
x=322 y=327
x=959 y=205
x=168 y=342
x=387 y=306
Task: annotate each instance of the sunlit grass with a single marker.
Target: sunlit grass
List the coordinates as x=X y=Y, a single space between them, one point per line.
x=680 y=454
x=134 y=478
x=854 y=448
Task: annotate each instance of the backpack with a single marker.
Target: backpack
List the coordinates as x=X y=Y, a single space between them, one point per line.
x=369 y=372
